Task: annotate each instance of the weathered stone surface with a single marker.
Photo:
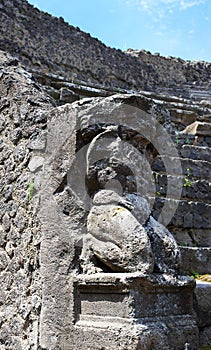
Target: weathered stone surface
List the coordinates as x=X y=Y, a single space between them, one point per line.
x=164 y=247
x=67 y=95
x=202 y=303
x=194 y=190
x=36 y=163
x=134 y=311
x=198 y=128
x=19 y=228
x=198 y=213
x=192 y=168
x=194 y=152
x=205 y=337
x=37 y=142
x=193 y=237
x=115 y=236
x=196 y=259
x=68 y=196
x=38 y=264
x=76 y=56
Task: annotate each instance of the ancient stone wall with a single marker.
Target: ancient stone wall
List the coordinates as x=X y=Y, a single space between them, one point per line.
x=22 y=126
x=48 y=44
x=33 y=255
x=71 y=65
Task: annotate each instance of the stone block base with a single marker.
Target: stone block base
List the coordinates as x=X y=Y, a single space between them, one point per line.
x=133 y=311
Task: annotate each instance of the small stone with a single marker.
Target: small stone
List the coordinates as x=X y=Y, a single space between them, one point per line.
x=1 y=124
x=9 y=249
x=20 y=153
x=1 y=144
x=37 y=142
x=6 y=222
x=36 y=163
x=4 y=260
x=7 y=192
x=68 y=96
x=20 y=219
x=16 y=135
x=188 y=220
x=11 y=208
x=2 y=238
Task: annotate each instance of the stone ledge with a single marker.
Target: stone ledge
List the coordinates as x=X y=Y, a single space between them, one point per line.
x=196 y=259
x=154 y=307
x=202 y=303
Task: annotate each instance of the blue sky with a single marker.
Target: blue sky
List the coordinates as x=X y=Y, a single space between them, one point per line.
x=179 y=28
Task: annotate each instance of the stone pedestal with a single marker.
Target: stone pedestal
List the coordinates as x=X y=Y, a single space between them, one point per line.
x=133 y=311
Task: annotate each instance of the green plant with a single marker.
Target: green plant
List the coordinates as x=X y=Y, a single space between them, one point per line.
x=183 y=244
x=194 y=274
x=31 y=189
x=159 y=188
x=187 y=142
x=188 y=182
x=156 y=177
x=177 y=139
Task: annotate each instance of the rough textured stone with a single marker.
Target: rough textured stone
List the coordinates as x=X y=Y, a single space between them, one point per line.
x=73 y=204
x=126 y=311
x=38 y=263
x=196 y=259
x=164 y=247
x=68 y=96
x=19 y=252
x=36 y=163
x=198 y=128
x=202 y=303
x=115 y=236
x=205 y=337
x=77 y=57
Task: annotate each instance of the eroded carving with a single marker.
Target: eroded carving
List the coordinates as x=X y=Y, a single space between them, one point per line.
x=121 y=234
x=115 y=237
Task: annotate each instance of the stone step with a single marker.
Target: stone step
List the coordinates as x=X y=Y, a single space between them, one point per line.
x=196 y=190
x=180 y=139
x=202 y=303
x=196 y=259
x=205 y=94
x=198 y=128
x=134 y=311
x=195 y=152
x=191 y=237
x=188 y=106
x=188 y=214
x=198 y=169
x=203 y=141
x=182 y=116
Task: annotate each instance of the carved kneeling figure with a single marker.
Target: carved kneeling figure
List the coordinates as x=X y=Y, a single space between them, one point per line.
x=117 y=238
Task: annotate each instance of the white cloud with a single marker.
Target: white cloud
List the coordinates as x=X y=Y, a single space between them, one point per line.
x=164 y=6
x=187 y=4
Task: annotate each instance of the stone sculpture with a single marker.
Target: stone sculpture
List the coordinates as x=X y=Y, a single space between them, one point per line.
x=123 y=242
x=121 y=234
x=95 y=187
x=115 y=237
